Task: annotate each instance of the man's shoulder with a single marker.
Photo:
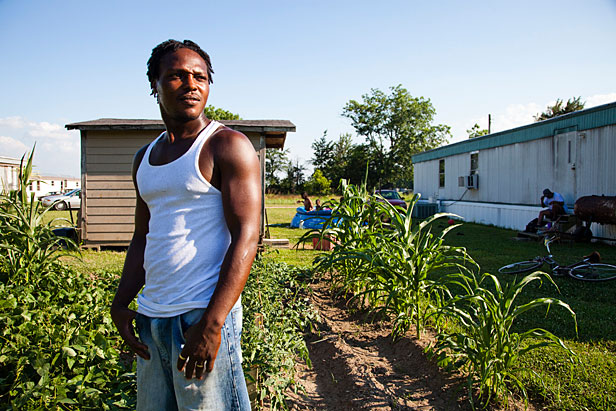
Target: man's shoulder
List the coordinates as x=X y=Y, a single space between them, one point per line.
x=227 y=137
x=229 y=144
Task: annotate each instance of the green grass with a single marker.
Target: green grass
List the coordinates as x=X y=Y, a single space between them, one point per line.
x=589 y=383
x=63 y=218
x=279 y=220
x=281 y=199
x=92 y=262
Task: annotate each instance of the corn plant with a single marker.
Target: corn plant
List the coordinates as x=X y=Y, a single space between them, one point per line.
x=386 y=261
x=407 y=256
x=354 y=221
x=28 y=245
x=484 y=345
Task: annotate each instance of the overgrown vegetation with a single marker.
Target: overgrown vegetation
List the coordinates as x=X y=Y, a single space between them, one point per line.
x=58 y=347
x=276 y=312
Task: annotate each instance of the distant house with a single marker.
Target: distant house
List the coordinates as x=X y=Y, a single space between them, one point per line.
x=107 y=150
x=498 y=179
x=45 y=185
x=9 y=173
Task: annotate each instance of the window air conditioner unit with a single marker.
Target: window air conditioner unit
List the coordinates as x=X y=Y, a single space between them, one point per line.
x=471 y=181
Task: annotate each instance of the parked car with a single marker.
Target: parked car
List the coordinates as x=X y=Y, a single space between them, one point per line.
x=392 y=197
x=51 y=193
x=72 y=200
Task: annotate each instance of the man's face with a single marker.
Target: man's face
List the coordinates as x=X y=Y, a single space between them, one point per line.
x=182 y=86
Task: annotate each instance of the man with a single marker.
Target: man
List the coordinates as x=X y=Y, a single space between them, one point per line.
x=196 y=233
x=556 y=206
x=306 y=201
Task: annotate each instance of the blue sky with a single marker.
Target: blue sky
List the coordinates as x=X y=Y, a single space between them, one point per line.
x=70 y=61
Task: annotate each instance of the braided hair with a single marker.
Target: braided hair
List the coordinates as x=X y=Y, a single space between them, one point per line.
x=171 y=46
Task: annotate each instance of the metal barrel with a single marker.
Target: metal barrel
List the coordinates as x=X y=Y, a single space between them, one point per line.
x=596 y=209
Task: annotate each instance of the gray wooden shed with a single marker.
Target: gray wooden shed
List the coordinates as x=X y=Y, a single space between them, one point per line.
x=107 y=149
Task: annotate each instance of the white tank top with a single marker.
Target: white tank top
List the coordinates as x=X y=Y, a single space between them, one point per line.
x=188 y=235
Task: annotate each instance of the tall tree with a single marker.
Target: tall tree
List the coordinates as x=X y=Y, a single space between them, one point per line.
x=275 y=164
x=294 y=179
x=214 y=113
x=395 y=126
x=477 y=131
x=558 y=109
x=322 y=153
x=332 y=157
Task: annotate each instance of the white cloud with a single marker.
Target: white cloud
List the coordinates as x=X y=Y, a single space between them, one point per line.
x=12 y=147
x=57 y=150
x=12 y=122
x=516 y=115
x=599 y=99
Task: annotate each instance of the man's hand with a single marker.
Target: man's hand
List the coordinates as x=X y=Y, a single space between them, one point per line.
x=123 y=319
x=200 y=350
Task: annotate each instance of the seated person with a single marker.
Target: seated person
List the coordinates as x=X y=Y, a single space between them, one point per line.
x=306 y=200
x=317 y=204
x=556 y=206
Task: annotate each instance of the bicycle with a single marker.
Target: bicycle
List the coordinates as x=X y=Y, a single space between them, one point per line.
x=588 y=269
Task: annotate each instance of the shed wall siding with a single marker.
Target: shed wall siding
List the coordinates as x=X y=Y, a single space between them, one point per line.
x=108 y=198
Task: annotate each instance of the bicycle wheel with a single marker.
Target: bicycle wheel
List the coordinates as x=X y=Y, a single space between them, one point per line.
x=594 y=272
x=520 y=267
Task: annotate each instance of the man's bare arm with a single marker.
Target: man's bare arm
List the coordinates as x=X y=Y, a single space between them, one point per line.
x=133 y=273
x=240 y=185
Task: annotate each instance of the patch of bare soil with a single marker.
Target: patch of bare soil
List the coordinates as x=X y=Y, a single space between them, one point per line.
x=357 y=366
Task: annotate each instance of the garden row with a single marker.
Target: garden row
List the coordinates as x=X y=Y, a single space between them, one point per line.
x=405 y=270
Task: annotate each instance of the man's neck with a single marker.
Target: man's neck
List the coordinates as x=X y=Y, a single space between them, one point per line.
x=180 y=130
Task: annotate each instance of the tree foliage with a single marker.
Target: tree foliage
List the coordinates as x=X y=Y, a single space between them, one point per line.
x=395 y=126
x=214 y=113
x=476 y=131
x=283 y=175
x=317 y=184
x=559 y=108
x=337 y=159
x=294 y=179
x=275 y=162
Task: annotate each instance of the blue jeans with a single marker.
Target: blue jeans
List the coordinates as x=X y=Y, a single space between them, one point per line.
x=160 y=386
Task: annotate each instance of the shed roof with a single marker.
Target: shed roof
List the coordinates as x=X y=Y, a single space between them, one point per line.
x=9 y=161
x=593 y=117
x=275 y=131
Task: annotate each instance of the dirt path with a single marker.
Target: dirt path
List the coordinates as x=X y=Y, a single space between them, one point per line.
x=356 y=366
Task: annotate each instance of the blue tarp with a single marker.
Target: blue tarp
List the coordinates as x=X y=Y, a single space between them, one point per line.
x=311 y=219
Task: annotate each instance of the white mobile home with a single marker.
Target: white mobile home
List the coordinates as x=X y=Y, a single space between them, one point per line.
x=498 y=179
x=9 y=173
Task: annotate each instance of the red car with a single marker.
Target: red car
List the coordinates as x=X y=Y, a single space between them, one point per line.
x=392 y=197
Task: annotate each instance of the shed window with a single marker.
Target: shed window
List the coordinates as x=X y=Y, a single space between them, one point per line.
x=441 y=173
x=474 y=163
